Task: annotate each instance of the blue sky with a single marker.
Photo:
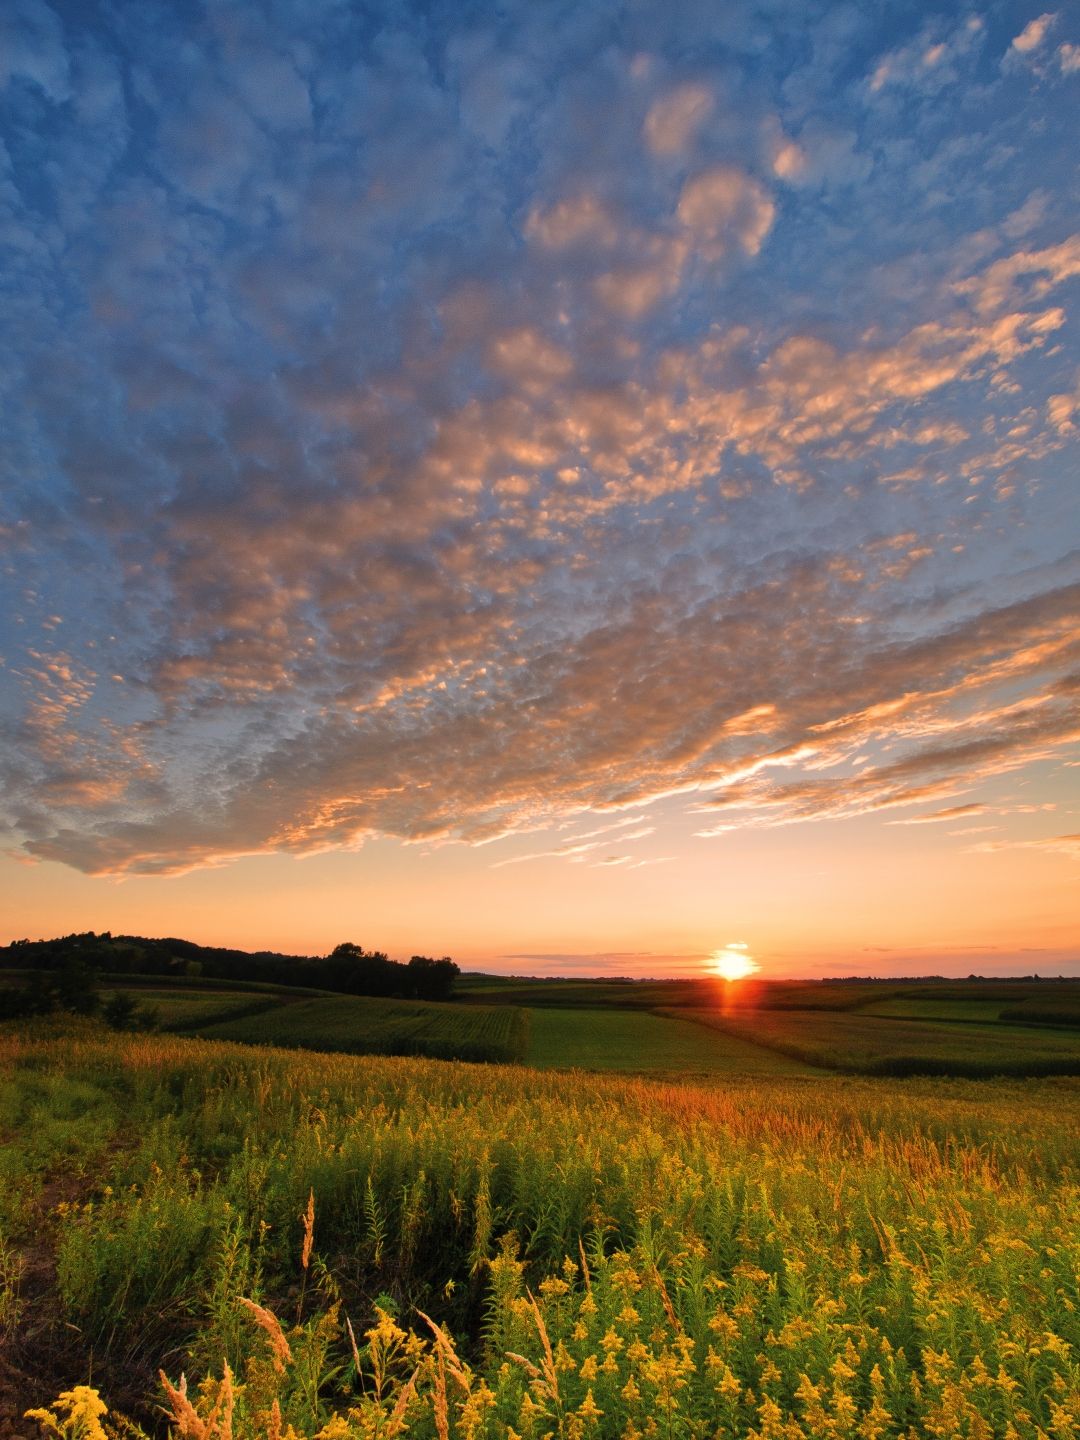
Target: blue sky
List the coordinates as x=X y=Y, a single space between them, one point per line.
x=594 y=433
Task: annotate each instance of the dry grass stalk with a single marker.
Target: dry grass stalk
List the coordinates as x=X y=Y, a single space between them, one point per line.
x=352 y=1343
x=268 y=1321
x=308 y=1218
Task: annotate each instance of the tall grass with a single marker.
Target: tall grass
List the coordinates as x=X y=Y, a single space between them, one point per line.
x=498 y=1252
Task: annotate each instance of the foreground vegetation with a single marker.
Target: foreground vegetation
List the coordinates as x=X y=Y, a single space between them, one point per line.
x=353 y=1247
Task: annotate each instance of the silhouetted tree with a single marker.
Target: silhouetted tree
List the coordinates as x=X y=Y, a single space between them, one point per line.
x=431 y=979
x=77 y=987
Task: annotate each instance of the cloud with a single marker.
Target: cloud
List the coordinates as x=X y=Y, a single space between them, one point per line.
x=935 y=59
x=674 y=119
x=614 y=964
x=1034 y=33
x=32 y=48
x=581 y=848
x=996 y=286
x=447 y=428
x=723 y=204
x=951 y=812
x=1050 y=844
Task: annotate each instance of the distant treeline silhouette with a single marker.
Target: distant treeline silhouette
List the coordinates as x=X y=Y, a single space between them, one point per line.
x=72 y=964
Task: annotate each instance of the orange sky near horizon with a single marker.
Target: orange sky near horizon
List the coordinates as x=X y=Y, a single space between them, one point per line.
x=819 y=900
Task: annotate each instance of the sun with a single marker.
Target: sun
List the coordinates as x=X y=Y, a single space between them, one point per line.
x=734 y=961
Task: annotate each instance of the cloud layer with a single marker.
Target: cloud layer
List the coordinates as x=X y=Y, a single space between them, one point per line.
x=431 y=425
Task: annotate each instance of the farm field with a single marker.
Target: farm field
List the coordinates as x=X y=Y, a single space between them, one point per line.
x=190 y=1009
x=913 y=1008
x=366 y=1025
x=869 y=1044
x=774 y=1257
x=974 y=1027
x=635 y=1040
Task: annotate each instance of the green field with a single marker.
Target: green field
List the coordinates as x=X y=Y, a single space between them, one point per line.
x=913 y=1008
x=879 y=1044
x=636 y=1041
x=176 y=1009
x=362 y=1025
x=693 y=1028
x=771 y=1258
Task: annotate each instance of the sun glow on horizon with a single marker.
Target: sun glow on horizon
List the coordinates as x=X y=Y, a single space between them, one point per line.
x=734 y=961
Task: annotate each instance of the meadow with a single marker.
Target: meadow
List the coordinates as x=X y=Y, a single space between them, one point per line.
x=339 y=1246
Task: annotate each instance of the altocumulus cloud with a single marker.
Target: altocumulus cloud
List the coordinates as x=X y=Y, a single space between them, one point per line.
x=432 y=420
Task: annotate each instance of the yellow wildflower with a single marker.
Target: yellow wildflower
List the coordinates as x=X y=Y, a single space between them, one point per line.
x=588 y=1409
x=84 y=1407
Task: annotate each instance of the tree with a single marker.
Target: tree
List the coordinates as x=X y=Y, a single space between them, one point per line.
x=431 y=979
x=77 y=987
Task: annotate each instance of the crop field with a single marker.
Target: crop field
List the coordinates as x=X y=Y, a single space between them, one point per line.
x=363 y=1025
x=634 y=1040
x=692 y=1028
x=373 y=1247
x=913 y=1008
x=882 y=1044
x=190 y=1009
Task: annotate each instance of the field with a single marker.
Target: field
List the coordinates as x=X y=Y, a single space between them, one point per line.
x=189 y=1009
x=365 y=1025
x=667 y=1028
x=636 y=1041
x=870 y=1044
x=769 y=1258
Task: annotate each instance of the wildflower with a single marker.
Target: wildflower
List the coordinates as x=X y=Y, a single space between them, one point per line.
x=336 y=1428
x=728 y=1386
x=84 y=1407
x=563 y=1359
x=588 y=1409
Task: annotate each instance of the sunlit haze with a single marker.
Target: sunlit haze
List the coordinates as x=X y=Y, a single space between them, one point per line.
x=553 y=486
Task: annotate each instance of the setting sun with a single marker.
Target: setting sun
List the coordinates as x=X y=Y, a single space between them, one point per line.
x=734 y=962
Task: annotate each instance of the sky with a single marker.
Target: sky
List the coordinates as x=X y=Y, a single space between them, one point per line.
x=572 y=486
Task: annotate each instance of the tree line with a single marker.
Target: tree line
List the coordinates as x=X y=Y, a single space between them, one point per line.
x=65 y=973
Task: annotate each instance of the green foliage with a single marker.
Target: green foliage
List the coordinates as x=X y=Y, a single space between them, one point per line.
x=782 y=1257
